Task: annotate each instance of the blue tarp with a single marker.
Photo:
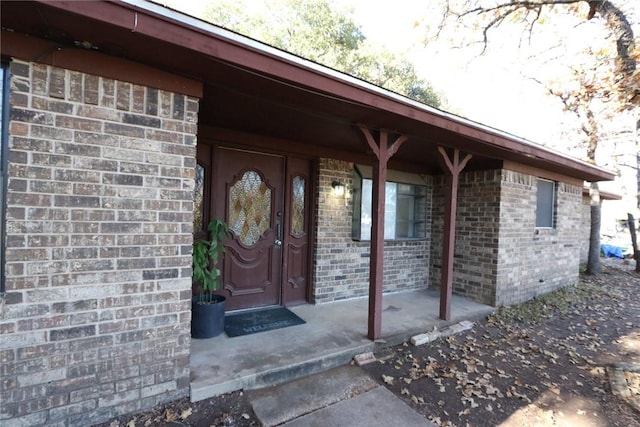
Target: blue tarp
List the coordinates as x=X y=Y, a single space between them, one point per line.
x=611 y=251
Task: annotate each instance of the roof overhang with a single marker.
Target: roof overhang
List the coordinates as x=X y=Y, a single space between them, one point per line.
x=603 y=194
x=251 y=87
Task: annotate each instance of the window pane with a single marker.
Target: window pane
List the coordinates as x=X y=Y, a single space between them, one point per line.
x=357 y=205
x=405 y=188
x=420 y=209
x=249 y=208
x=297 y=206
x=365 y=215
x=405 y=210
x=544 y=203
x=198 y=200
x=390 y=204
x=405 y=216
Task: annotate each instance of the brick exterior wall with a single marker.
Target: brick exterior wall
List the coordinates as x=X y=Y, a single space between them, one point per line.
x=534 y=261
x=500 y=259
x=341 y=265
x=477 y=228
x=99 y=230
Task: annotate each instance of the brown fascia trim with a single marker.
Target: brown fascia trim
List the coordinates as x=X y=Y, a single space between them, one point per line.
x=307 y=75
x=34 y=49
x=557 y=176
x=542 y=173
x=604 y=195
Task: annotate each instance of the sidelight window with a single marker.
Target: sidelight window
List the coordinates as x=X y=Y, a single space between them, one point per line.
x=297 y=207
x=198 y=200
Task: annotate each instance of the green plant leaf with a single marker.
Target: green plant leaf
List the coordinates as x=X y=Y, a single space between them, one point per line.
x=206 y=255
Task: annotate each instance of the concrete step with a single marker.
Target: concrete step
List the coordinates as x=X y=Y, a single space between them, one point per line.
x=259 y=378
x=341 y=396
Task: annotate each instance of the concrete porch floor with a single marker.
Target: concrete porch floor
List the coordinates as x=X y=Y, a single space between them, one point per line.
x=333 y=334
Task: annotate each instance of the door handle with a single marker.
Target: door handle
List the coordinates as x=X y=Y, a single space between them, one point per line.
x=278 y=241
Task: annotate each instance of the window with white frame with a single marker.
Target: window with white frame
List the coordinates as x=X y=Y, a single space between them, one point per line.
x=545 y=203
x=405 y=209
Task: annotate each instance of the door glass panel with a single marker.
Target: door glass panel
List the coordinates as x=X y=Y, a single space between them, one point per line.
x=249 y=208
x=198 y=200
x=297 y=206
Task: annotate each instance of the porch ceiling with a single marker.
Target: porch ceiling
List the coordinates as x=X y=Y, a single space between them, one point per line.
x=252 y=88
x=283 y=112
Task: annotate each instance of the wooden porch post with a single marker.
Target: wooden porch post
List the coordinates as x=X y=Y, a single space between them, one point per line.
x=452 y=168
x=383 y=153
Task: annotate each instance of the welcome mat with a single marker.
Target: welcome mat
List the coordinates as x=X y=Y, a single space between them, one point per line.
x=252 y=322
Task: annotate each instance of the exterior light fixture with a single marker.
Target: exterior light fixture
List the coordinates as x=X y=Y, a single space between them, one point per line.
x=338 y=188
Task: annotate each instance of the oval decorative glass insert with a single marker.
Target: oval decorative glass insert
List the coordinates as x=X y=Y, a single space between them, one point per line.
x=249 y=208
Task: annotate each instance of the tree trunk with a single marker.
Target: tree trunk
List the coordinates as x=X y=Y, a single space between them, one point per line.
x=631 y=222
x=638 y=178
x=593 y=261
x=623 y=31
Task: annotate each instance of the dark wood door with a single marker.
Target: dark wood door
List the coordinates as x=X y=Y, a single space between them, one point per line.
x=249 y=190
x=297 y=232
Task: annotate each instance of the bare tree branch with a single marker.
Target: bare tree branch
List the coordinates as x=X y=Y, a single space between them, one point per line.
x=628 y=84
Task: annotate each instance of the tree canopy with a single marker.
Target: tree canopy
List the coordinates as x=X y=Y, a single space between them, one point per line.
x=321 y=32
x=477 y=23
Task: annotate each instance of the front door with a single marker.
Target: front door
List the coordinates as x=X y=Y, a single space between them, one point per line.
x=252 y=187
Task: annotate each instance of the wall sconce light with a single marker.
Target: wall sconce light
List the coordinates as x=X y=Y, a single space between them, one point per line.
x=338 y=188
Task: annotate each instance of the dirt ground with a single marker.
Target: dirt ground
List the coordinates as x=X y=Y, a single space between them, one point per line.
x=232 y=409
x=542 y=363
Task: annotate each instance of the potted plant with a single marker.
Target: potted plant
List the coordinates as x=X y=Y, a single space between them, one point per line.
x=207 y=308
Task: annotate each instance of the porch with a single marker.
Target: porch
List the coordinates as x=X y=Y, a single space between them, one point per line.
x=333 y=334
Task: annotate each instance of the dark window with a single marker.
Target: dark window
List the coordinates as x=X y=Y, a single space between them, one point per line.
x=545 y=203
x=405 y=210
x=202 y=192
x=4 y=123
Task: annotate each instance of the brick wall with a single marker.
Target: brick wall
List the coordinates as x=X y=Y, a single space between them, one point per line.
x=534 y=261
x=477 y=227
x=500 y=257
x=97 y=310
x=341 y=265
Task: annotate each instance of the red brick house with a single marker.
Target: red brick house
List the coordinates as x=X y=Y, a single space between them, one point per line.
x=116 y=113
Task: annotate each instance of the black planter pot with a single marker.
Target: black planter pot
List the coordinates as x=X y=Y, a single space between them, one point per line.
x=207 y=319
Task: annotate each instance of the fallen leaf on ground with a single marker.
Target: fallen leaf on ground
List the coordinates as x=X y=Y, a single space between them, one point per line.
x=186 y=413
x=170 y=415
